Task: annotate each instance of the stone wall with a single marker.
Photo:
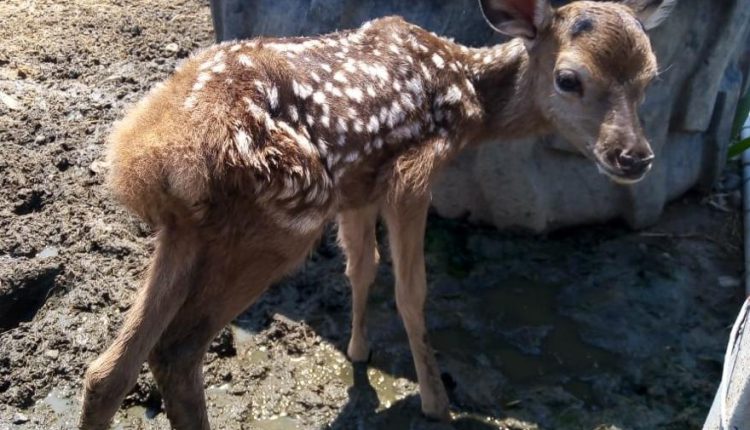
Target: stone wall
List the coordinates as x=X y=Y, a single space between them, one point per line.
x=541 y=184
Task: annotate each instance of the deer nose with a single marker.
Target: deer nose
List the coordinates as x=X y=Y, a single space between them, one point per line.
x=632 y=163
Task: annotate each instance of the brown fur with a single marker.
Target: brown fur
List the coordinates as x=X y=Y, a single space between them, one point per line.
x=240 y=159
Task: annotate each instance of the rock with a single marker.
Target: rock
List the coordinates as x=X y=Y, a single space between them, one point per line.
x=171 y=47
x=20 y=418
x=543 y=184
x=9 y=101
x=98 y=166
x=52 y=353
x=48 y=252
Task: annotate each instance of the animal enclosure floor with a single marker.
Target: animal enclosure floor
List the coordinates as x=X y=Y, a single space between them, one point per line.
x=594 y=327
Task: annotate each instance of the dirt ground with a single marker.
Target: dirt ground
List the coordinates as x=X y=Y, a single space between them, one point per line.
x=590 y=328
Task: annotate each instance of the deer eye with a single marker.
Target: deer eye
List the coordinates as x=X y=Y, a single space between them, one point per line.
x=566 y=81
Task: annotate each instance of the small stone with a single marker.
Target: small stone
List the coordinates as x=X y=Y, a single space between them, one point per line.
x=20 y=418
x=40 y=139
x=9 y=101
x=98 y=166
x=728 y=282
x=171 y=47
x=48 y=252
x=52 y=353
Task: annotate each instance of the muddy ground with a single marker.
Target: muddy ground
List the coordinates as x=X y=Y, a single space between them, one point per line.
x=596 y=327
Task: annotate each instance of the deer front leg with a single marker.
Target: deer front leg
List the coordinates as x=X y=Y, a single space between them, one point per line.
x=406 y=220
x=357 y=238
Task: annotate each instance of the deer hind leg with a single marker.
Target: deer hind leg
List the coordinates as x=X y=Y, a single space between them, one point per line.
x=406 y=219
x=113 y=373
x=235 y=272
x=357 y=237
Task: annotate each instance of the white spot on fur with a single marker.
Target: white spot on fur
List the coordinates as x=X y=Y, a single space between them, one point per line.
x=286 y=47
x=322 y=147
x=354 y=94
x=219 y=68
x=406 y=131
x=383 y=114
x=341 y=126
x=349 y=67
x=202 y=79
x=319 y=97
x=245 y=60
x=293 y=114
x=406 y=100
x=339 y=76
x=438 y=60
x=415 y=85
x=301 y=90
x=333 y=90
x=451 y=96
x=243 y=142
x=425 y=71
x=252 y=107
x=273 y=97
x=359 y=126
x=373 y=125
x=190 y=102
x=395 y=115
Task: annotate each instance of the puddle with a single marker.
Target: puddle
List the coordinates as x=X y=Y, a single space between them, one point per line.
x=58 y=402
x=327 y=364
x=280 y=423
x=517 y=329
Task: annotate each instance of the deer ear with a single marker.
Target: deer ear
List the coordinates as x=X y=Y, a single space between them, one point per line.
x=517 y=18
x=651 y=12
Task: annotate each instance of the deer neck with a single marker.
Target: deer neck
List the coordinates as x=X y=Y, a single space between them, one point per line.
x=505 y=88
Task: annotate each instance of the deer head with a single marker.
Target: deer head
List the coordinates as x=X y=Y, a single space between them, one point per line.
x=591 y=63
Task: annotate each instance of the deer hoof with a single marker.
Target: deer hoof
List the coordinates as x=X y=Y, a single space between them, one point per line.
x=435 y=405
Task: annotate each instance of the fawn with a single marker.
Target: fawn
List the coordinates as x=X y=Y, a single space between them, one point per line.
x=240 y=159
